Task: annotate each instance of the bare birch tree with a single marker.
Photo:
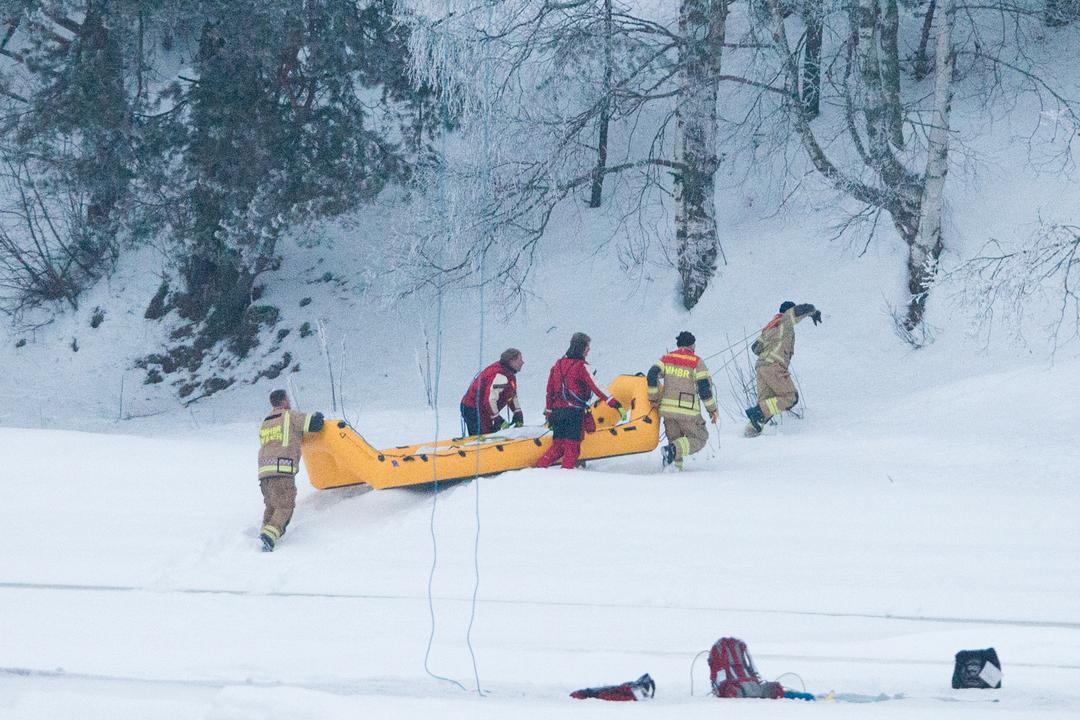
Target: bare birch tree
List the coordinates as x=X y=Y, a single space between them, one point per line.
x=702 y=25
x=567 y=77
x=864 y=152
x=925 y=248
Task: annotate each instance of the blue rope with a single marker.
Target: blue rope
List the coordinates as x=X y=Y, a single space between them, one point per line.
x=434 y=503
x=476 y=484
x=435 y=499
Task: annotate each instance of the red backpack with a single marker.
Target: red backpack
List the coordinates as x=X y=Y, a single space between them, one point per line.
x=733 y=673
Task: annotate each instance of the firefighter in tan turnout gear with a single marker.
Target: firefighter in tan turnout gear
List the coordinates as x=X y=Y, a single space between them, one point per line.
x=679 y=384
x=279 y=461
x=774 y=348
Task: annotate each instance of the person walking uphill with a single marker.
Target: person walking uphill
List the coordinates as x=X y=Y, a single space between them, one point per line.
x=774 y=348
x=494 y=388
x=679 y=384
x=570 y=387
x=279 y=461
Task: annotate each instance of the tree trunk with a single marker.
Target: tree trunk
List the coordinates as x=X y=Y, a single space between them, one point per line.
x=105 y=168
x=926 y=249
x=872 y=88
x=701 y=27
x=811 y=68
x=890 y=30
x=605 y=114
x=902 y=187
x=921 y=62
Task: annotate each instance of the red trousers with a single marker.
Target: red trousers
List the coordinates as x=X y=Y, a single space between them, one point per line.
x=568 y=450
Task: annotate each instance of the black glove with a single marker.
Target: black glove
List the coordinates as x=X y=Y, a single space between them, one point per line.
x=315 y=424
x=816 y=317
x=519 y=419
x=498 y=424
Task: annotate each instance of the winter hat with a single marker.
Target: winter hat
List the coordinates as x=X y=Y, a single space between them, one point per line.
x=786 y=305
x=685 y=339
x=578 y=343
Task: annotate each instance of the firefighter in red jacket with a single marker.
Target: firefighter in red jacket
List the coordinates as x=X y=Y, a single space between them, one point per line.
x=494 y=388
x=570 y=387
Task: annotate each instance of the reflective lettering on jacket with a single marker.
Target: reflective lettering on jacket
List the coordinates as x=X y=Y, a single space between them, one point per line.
x=682 y=383
x=279 y=443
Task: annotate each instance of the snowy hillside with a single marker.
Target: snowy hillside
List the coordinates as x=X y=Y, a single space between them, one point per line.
x=925 y=501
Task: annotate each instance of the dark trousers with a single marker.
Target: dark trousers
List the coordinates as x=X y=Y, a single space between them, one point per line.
x=474 y=424
x=566 y=423
x=566 y=426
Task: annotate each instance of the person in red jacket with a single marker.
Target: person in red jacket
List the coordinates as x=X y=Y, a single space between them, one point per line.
x=494 y=388
x=570 y=387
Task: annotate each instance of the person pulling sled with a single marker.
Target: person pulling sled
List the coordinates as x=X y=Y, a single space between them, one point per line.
x=679 y=384
x=570 y=387
x=279 y=461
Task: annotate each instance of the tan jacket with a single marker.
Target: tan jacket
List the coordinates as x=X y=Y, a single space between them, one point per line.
x=686 y=384
x=776 y=344
x=279 y=443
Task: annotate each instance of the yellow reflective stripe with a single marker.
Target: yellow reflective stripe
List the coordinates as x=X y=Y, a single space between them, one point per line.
x=275 y=470
x=710 y=404
x=673 y=403
x=286 y=421
x=272 y=531
x=702 y=375
x=679 y=411
x=773 y=406
x=774 y=353
x=683 y=445
x=307 y=423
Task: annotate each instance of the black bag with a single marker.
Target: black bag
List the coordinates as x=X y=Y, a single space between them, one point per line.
x=977 y=669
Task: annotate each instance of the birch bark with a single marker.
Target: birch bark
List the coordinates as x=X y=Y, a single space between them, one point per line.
x=702 y=25
x=926 y=249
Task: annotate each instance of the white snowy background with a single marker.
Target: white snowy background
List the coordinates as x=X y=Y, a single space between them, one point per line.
x=926 y=503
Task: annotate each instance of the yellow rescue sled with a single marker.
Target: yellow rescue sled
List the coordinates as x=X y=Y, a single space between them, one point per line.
x=339 y=456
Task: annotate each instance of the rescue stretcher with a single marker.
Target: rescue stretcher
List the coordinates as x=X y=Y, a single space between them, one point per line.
x=338 y=456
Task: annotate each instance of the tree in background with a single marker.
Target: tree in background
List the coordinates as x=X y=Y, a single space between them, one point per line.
x=282 y=111
x=564 y=81
x=69 y=146
x=279 y=132
x=702 y=26
x=862 y=149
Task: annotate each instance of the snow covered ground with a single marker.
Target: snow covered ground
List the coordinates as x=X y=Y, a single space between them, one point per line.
x=859 y=551
x=926 y=503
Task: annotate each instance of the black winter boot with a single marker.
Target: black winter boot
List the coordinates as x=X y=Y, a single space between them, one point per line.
x=667 y=454
x=757 y=418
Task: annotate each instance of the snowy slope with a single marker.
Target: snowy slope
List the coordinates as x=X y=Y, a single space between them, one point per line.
x=925 y=504
x=859 y=552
